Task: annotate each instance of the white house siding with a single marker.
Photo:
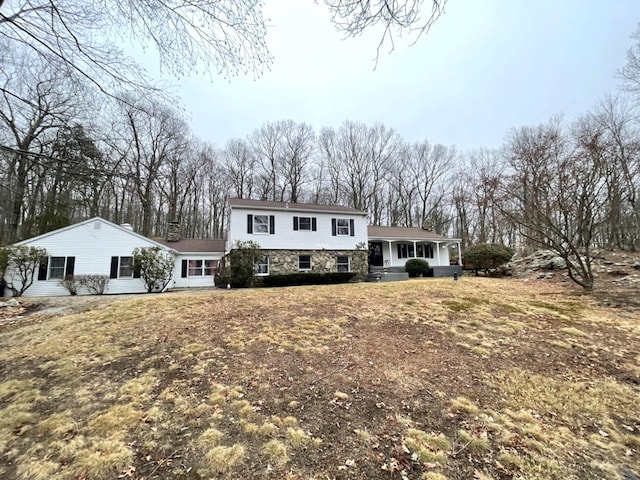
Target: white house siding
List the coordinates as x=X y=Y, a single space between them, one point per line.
x=286 y=238
x=92 y=243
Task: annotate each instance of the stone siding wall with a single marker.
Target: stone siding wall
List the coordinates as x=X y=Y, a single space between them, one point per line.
x=322 y=261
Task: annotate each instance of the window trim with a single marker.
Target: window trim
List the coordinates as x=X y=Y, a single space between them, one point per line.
x=262 y=225
x=120 y=266
x=348 y=263
x=301 y=269
x=262 y=263
x=64 y=268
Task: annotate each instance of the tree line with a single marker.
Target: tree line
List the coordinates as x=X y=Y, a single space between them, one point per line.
x=72 y=146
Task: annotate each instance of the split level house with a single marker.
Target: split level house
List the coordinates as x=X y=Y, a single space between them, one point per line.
x=293 y=237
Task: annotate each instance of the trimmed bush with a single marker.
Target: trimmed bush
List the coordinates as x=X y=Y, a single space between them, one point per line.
x=417 y=267
x=307 y=279
x=486 y=256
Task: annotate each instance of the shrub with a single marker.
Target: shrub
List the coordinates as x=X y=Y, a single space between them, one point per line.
x=243 y=259
x=417 y=267
x=96 y=284
x=486 y=256
x=155 y=266
x=307 y=279
x=71 y=283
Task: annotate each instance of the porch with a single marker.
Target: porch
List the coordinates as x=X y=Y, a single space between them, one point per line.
x=391 y=247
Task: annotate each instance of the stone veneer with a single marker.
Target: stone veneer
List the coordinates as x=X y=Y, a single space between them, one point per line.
x=322 y=261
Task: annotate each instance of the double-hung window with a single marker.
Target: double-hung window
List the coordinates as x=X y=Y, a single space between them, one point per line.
x=261 y=224
x=262 y=267
x=342 y=227
x=305 y=223
x=122 y=267
x=56 y=268
x=304 y=263
x=343 y=264
x=125 y=268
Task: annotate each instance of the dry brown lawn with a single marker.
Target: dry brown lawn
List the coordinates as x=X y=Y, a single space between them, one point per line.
x=426 y=379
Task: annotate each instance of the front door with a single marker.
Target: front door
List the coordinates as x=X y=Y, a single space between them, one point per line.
x=375 y=254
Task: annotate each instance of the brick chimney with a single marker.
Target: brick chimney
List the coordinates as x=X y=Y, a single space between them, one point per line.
x=173 y=231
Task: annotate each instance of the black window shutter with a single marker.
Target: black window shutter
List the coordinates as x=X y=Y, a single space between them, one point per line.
x=114 y=267
x=249 y=223
x=136 y=271
x=71 y=265
x=42 y=269
x=184 y=269
x=272 y=224
x=352 y=228
x=295 y=223
x=399 y=251
x=314 y=225
x=333 y=227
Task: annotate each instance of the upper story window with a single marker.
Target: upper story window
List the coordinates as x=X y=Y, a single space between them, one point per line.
x=264 y=224
x=305 y=223
x=342 y=227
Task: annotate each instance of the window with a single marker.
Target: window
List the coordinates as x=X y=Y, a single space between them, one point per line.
x=342 y=226
x=304 y=262
x=405 y=250
x=125 y=268
x=57 y=267
x=197 y=267
x=262 y=268
x=210 y=267
x=122 y=267
x=343 y=264
x=305 y=223
x=261 y=224
x=423 y=250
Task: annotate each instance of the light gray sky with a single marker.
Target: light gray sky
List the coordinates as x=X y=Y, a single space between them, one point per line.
x=486 y=66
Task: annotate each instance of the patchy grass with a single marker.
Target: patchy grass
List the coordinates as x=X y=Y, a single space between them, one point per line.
x=424 y=379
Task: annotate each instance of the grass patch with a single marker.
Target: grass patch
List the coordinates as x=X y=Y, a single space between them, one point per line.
x=494 y=378
x=222 y=460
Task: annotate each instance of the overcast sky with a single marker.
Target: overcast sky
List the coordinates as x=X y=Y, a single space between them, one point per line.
x=486 y=66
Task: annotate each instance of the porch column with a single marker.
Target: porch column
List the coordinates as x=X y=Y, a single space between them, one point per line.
x=438 y=254
x=459 y=254
x=390 y=254
x=415 y=251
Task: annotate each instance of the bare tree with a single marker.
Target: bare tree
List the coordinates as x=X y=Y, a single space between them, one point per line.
x=557 y=189
x=45 y=103
x=151 y=134
x=353 y=17
x=240 y=164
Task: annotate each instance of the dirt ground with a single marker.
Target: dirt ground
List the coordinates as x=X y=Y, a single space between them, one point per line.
x=426 y=379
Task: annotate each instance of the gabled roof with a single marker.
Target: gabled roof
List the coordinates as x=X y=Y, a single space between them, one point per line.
x=403 y=233
x=195 y=245
x=88 y=221
x=301 y=207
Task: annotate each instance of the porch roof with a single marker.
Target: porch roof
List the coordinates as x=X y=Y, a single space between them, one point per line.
x=405 y=233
